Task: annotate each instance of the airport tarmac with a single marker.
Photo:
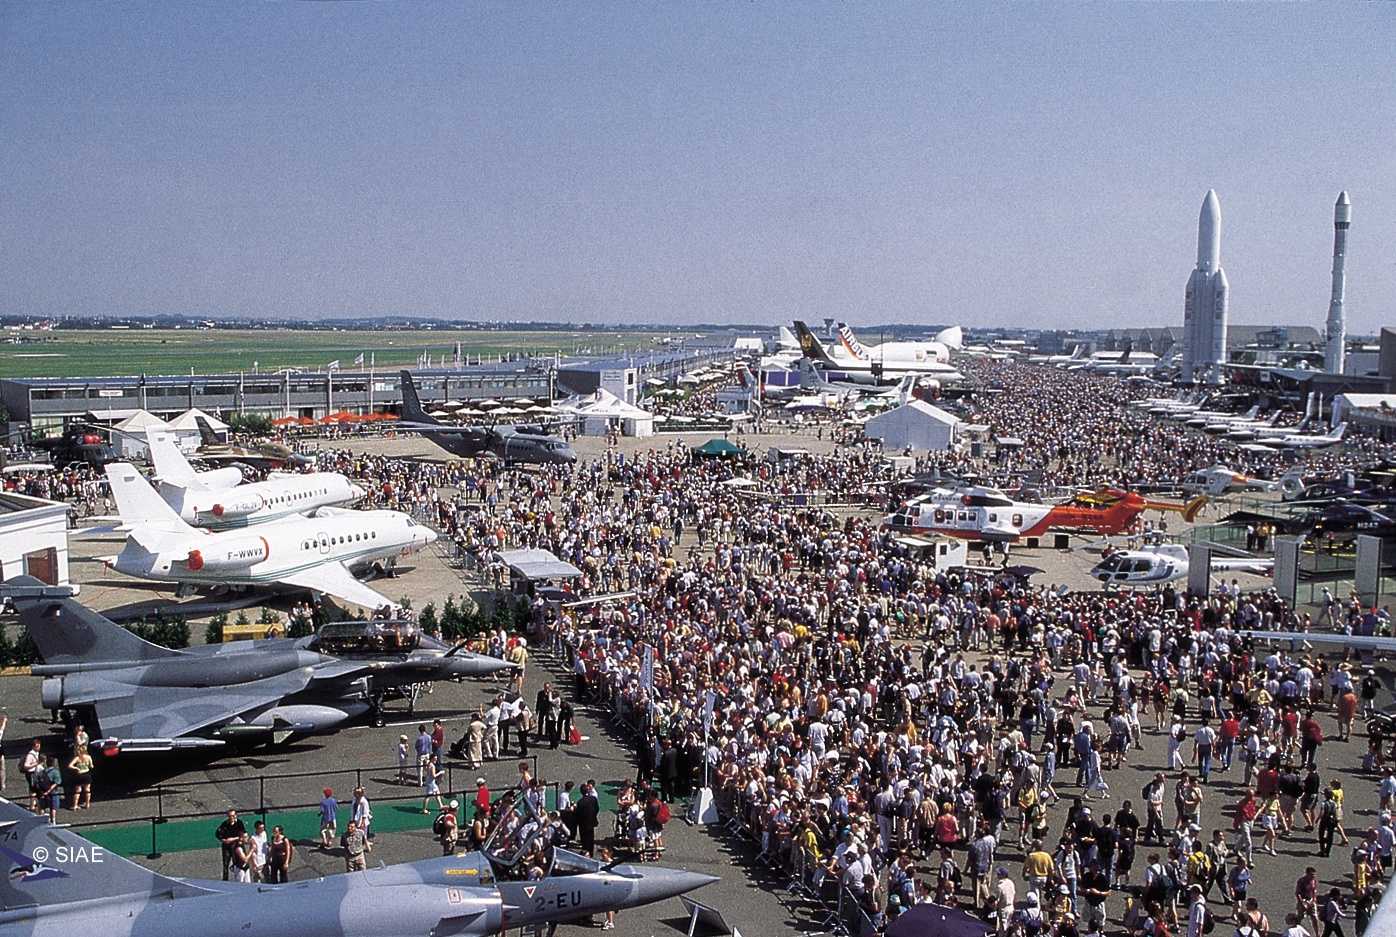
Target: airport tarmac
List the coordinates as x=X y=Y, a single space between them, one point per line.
x=755 y=899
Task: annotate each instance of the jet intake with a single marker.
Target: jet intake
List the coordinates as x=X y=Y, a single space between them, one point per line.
x=51 y=693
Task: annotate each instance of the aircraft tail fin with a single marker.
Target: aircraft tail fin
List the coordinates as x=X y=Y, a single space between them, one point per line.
x=906 y=389
x=786 y=338
x=1126 y=351
x=53 y=865
x=412 y=411
x=207 y=437
x=851 y=344
x=171 y=467
x=67 y=632
x=1338 y=432
x=810 y=345
x=138 y=504
x=952 y=338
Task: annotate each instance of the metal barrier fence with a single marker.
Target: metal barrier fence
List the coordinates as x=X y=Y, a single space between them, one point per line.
x=304 y=790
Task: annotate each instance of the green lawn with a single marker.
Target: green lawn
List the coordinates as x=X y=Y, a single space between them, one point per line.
x=169 y=351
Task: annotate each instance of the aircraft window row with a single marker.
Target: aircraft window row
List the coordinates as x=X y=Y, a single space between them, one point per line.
x=299 y=496
x=340 y=539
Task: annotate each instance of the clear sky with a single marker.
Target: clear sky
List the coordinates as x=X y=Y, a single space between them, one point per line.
x=1017 y=164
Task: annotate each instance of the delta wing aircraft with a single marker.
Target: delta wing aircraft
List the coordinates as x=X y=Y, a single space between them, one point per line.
x=203 y=500
x=508 y=442
x=317 y=553
x=59 y=884
x=139 y=696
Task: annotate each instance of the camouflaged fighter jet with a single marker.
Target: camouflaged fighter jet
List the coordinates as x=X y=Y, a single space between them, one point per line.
x=57 y=884
x=140 y=696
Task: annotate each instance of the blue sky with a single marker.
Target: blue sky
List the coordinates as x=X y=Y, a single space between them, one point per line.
x=1023 y=164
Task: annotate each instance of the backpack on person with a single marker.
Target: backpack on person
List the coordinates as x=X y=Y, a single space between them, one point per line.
x=1209 y=923
x=438 y=826
x=662 y=814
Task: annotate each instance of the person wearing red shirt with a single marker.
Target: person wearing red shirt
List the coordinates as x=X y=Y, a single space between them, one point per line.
x=1312 y=738
x=1289 y=722
x=947 y=828
x=1230 y=731
x=1267 y=781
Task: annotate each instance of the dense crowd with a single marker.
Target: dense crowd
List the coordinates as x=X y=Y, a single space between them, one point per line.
x=903 y=732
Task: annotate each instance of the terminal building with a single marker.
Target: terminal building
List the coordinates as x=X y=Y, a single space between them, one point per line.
x=627 y=376
x=48 y=403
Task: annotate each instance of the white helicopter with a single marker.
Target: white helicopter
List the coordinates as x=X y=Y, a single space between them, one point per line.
x=1167 y=562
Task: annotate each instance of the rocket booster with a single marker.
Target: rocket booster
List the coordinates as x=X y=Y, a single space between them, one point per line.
x=1334 y=351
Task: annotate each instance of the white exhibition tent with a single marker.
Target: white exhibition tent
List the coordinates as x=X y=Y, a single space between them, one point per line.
x=914 y=425
x=129 y=438
x=185 y=428
x=601 y=410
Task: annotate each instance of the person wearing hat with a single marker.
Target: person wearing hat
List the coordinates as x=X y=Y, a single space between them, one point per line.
x=329 y=818
x=482 y=794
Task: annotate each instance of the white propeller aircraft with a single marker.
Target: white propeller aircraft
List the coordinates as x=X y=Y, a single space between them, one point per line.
x=205 y=501
x=1167 y=562
x=313 y=553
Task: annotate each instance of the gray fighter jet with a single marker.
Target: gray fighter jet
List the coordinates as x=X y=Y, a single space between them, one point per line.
x=57 y=883
x=143 y=697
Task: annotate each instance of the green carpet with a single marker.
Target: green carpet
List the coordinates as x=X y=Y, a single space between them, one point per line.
x=133 y=839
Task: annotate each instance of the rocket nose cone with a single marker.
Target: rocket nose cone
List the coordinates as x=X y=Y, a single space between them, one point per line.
x=1211 y=205
x=1342 y=209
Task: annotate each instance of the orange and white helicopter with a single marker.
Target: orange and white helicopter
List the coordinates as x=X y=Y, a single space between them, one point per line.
x=978 y=513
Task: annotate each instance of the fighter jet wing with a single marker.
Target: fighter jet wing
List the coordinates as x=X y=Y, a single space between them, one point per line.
x=336 y=580
x=172 y=712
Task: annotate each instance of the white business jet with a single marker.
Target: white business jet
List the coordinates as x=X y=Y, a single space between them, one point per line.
x=314 y=553
x=201 y=499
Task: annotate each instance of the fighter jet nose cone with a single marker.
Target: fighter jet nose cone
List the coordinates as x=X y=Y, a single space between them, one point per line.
x=656 y=883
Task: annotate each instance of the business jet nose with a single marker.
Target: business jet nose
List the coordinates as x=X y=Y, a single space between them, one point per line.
x=429 y=536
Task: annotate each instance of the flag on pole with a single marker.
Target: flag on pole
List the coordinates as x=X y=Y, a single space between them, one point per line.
x=359 y=359
x=334 y=365
x=709 y=701
x=647 y=668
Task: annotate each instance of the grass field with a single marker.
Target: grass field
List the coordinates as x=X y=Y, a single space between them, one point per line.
x=151 y=351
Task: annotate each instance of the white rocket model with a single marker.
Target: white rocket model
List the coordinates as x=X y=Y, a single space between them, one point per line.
x=1337 y=330
x=1205 y=311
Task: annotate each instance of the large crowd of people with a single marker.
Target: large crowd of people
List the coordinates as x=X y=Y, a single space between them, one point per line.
x=899 y=732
